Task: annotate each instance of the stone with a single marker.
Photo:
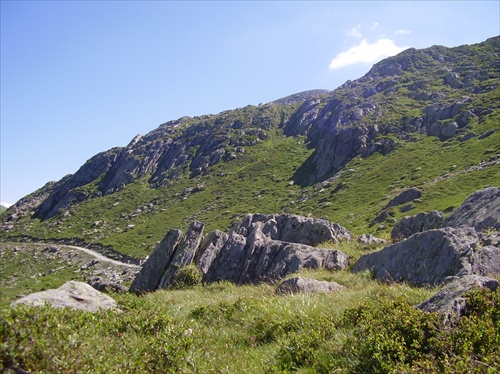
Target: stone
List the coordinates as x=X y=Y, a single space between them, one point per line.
x=306 y=285
x=153 y=269
x=209 y=248
x=405 y=197
x=381 y=217
x=449 y=130
x=406 y=208
x=184 y=253
x=486 y=134
x=467 y=136
x=104 y=285
x=265 y=248
x=370 y=240
x=296 y=229
x=408 y=226
x=429 y=257
x=480 y=210
x=449 y=300
x=74 y=295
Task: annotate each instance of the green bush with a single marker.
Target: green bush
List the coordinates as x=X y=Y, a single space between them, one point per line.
x=392 y=336
x=186 y=276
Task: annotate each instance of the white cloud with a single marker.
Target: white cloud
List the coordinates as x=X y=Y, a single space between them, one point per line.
x=401 y=32
x=7 y=205
x=355 y=31
x=374 y=25
x=366 y=53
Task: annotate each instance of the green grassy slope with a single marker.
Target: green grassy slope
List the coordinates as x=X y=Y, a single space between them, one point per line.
x=134 y=219
x=223 y=328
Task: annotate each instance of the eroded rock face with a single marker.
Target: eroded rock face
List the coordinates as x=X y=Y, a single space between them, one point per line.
x=209 y=248
x=449 y=301
x=306 y=285
x=75 y=295
x=480 y=210
x=432 y=256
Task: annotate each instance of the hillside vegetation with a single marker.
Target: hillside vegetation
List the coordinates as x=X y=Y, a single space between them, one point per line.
x=426 y=119
x=224 y=328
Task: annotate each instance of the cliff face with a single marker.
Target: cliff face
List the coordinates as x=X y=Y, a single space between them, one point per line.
x=437 y=91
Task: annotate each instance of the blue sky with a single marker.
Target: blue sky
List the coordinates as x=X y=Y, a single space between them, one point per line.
x=78 y=78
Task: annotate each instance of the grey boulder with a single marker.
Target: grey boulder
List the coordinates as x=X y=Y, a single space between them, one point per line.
x=74 y=295
x=449 y=300
x=432 y=256
x=480 y=210
x=408 y=226
x=306 y=285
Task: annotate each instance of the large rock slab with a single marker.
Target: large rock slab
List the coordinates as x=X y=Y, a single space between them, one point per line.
x=209 y=248
x=261 y=248
x=75 y=295
x=408 y=226
x=184 y=253
x=480 y=210
x=306 y=285
x=449 y=300
x=173 y=252
x=432 y=256
x=153 y=269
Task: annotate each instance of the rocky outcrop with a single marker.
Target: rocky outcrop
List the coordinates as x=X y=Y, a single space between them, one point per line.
x=449 y=300
x=74 y=295
x=261 y=248
x=480 y=210
x=306 y=285
x=257 y=258
x=408 y=226
x=432 y=256
x=265 y=248
x=184 y=253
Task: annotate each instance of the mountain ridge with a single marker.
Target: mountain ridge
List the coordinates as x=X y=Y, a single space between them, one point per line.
x=446 y=94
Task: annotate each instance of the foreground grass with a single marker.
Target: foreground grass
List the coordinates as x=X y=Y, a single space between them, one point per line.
x=223 y=328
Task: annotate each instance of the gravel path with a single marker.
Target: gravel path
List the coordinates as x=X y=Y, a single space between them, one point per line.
x=101 y=257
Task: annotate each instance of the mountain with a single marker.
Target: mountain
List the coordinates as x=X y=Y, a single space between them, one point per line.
x=424 y=119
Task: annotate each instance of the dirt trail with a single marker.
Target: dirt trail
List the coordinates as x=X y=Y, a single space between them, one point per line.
x=101 y=257
x=95 y=254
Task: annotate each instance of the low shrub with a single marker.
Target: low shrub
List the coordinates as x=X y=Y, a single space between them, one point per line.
x=186 y=276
